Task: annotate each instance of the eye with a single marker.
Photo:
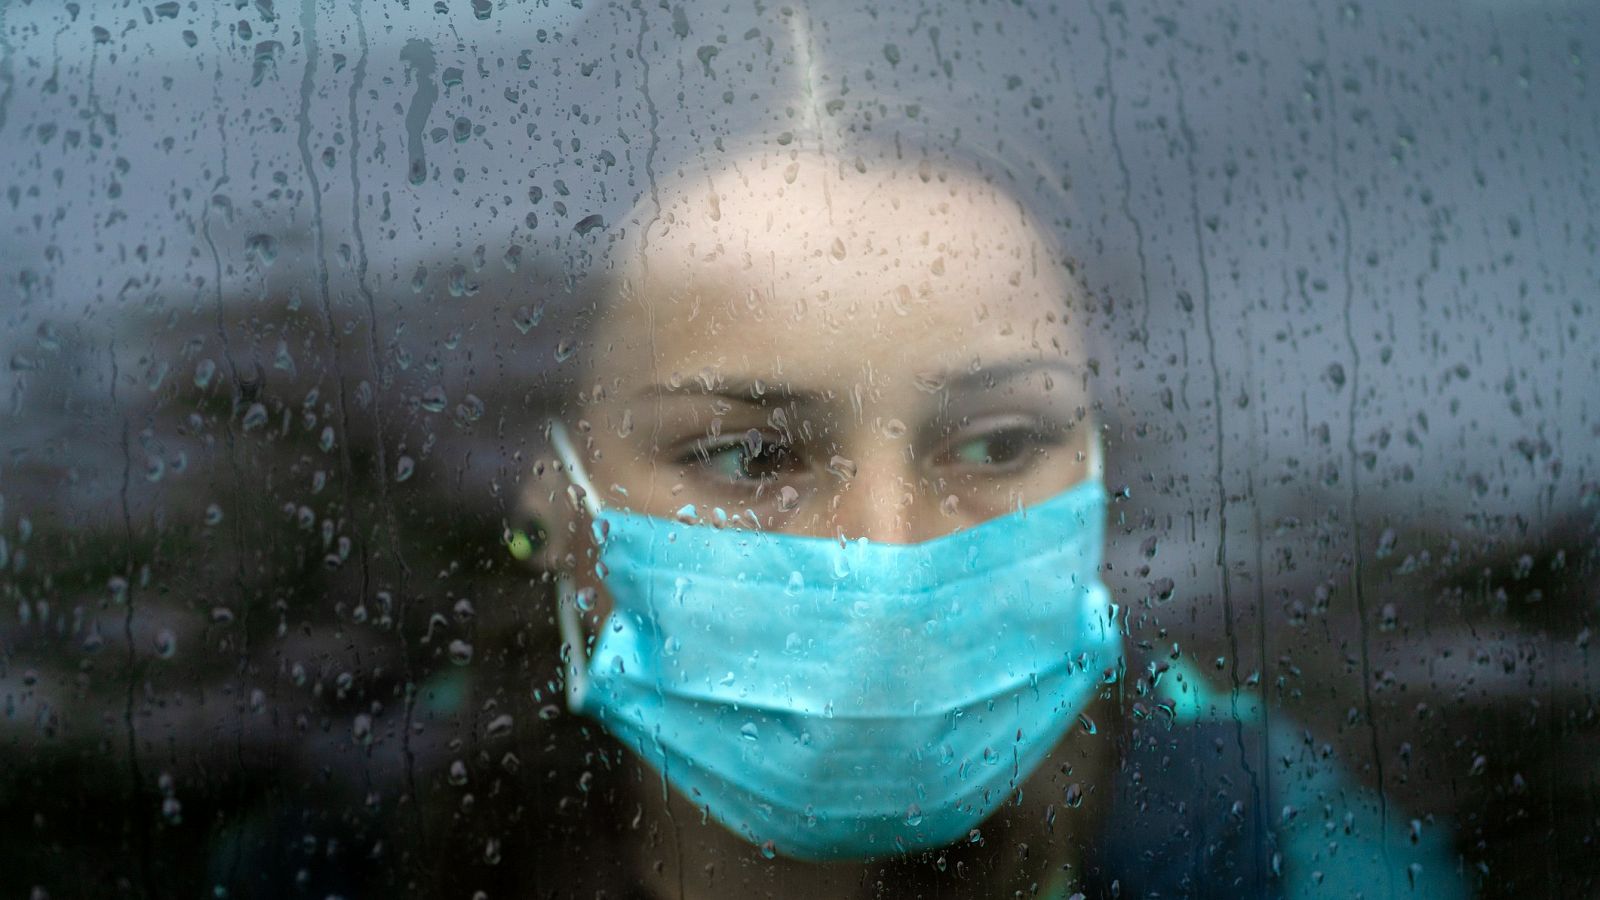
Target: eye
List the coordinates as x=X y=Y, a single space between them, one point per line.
x=1002 y=448
x=999 y=449
x=755 y=457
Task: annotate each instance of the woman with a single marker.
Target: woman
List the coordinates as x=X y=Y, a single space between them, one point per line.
x=822 y=394
x=805 y=426
x=828 y=528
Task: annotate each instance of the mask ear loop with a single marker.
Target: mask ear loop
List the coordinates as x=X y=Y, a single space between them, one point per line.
x=573 y=463
x=575 y=657
x=1096 y=467
x=572 y=640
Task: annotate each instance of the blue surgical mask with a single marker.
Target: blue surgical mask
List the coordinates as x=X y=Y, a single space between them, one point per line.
x=830 y=699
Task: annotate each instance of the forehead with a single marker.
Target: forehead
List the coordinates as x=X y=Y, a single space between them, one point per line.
x=789 y=266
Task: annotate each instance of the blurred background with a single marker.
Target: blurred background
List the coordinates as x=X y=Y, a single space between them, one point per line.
x=287 y=289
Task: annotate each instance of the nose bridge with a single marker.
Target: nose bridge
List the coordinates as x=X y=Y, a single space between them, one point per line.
x=870 y=503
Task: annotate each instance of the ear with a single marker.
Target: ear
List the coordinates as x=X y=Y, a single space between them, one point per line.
x=557 y=531
x=560 y=529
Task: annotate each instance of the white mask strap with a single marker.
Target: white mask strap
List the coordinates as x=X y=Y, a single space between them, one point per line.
x=1096 y=468
x=576 y=658
x=573 y=463
x=572 y=639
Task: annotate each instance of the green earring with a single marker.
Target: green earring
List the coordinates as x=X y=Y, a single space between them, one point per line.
x=521 y=544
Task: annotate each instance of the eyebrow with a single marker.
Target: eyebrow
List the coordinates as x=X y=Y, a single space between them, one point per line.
x=749 y=393
x=739 y=391
x=1010 y=370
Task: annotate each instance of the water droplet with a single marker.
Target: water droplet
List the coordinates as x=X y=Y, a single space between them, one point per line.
x=460 y=652
x=748 y=731
x=528 y=318
x=1074 y=795
x=913 y=815
x=950 y=505
x=166 y=644
x=434 y=399
x=768 y=850
x=255 y=417
x=1389 y=618
x=261 y=248
x=458 y=773
x=1386 y=542
x=470 y=409
x=842 y=467
x=1336 y=375
x=1162 y=589
x=404 y=468
x=575 y=496
x=788 y=499
x=499 y=726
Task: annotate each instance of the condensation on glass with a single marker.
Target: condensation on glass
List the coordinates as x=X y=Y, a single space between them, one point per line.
x=798 y=449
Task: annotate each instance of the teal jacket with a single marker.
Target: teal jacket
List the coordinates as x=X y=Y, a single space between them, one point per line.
x=1211 y=799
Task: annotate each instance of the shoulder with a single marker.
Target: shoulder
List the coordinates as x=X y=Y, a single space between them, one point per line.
x=1189 y=814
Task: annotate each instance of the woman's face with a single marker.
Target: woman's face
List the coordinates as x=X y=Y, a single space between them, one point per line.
x=890 y=354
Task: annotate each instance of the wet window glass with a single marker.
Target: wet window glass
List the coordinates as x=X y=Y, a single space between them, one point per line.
x=899 y=449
